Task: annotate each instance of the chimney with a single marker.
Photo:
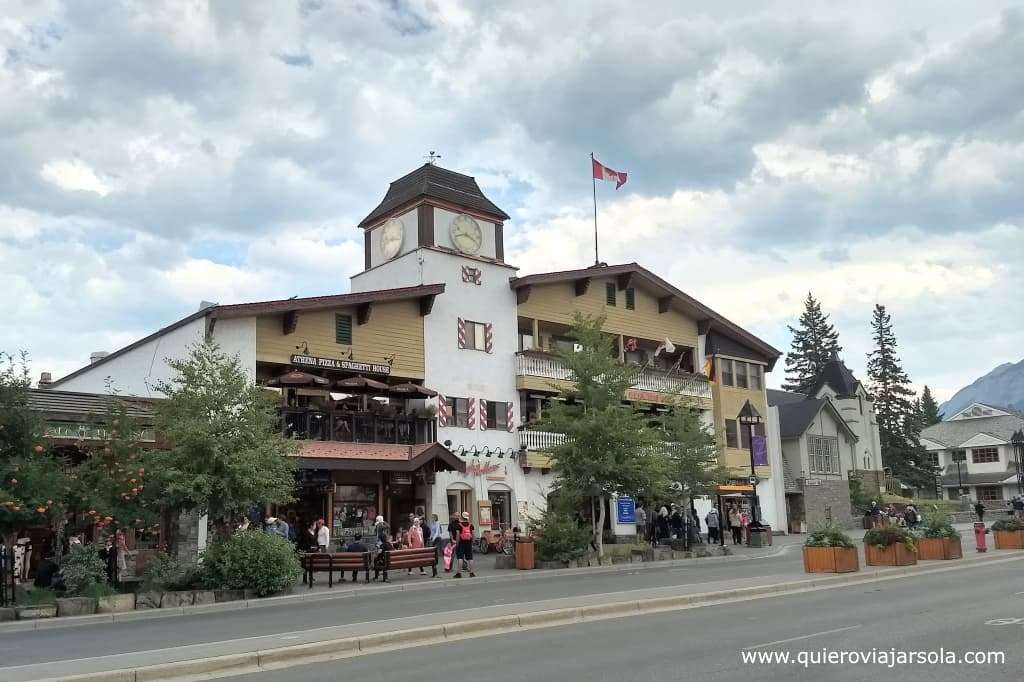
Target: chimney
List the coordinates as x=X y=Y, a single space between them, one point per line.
x=45 y=379
x=97 y=355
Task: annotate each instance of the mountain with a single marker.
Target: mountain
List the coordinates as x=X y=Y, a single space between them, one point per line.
x=1002 y=387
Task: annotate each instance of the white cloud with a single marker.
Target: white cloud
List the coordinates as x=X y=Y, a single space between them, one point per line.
x=73 y=175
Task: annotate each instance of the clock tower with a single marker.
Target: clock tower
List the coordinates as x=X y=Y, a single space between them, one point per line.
x=436 y=226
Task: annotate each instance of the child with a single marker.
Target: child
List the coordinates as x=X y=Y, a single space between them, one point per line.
x=449 y=552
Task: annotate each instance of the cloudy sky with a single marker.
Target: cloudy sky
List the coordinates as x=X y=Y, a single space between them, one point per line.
x=156 y=154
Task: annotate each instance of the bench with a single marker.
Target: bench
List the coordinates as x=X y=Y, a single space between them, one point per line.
x=317 y=562
x=410 y=558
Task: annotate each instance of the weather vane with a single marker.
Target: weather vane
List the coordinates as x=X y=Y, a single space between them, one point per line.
x=432 y=157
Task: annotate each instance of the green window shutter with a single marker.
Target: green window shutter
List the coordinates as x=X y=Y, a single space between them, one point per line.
x=343 y=329
x=631 y=299
x=609 y=293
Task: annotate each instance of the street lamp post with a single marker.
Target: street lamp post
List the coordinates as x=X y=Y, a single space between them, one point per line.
x=749 y=417
x=1017 y=440
x=958 y=457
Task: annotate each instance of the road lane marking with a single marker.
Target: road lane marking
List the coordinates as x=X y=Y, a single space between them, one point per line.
x=796 y=639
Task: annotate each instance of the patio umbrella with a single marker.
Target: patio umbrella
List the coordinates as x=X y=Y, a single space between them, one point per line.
x=410 y=390
x=297 y=378
x=360 y=384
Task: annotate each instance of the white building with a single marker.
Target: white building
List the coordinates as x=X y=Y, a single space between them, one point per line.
x=979 y=437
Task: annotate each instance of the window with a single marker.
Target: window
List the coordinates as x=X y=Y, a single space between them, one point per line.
x=497 y=415
x=756 y=373
x=932 y=458
x=990 y=493
x=823 y=453
x=343 y=329
x=631 y=299
x=958 y=456
x=867 y=462
x=501 y=509
x=609 y=293
x=741 y=375
x=525 y=341
x=476 y=335
x=725 y=370
x=460 y=412
x=745 y=434
x=985 y=456
x=731 y=433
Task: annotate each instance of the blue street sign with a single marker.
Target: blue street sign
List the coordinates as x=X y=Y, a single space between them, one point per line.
x=626 y=509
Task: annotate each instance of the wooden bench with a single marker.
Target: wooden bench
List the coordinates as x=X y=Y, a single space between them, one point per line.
x=410 y=558
x=318 y=562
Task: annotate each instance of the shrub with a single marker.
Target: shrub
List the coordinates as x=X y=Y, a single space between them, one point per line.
x=82 y=568
x=1011 y=523
x=936 y=525
x=98 y=591
x=251 y=560
x=888 y=536
x=165 y=573
x=829 y=535
x=559 y=538
x=41 y=596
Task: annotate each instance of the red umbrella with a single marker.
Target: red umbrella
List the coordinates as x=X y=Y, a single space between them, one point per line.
x=297 y=378
x=360 y=384
x=412 y=390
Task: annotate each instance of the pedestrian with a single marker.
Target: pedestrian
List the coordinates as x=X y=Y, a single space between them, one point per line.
x=109 y=556
x=641 y=523
x=876 y=514
x=744 y=523
x=415 y=538
x=979 y=509
x=309 y=538
x=464 y=546
x=713 y=525
x=380 y=531
x=437 y=533
x=676 y=519
x=323 y=536
x=1018 y=507
x=355 y=546
x=386 y=545
x=910 y=516
x=891 y=513
x=663 y=525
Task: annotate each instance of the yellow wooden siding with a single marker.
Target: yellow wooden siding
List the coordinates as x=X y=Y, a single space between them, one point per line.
x=541 y=384
x=558 y=302
x=728 y=401
x=394 y=327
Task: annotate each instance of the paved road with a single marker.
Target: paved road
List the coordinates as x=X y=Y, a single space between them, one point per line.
x=203 y=634
x=923 y=613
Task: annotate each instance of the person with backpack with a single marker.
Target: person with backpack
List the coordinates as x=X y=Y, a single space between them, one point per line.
x=713 y=522
x=464 y=545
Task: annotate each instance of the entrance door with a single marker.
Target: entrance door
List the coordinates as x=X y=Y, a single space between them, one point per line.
x=459 y=501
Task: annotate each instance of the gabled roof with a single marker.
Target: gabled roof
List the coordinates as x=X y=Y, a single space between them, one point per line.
x=430 y=181
x=670 y=294
x=837 y=376
x=979 y=409
x=72 y=405
x=951 y=480
x=954 y=433
x=778 y=397
x=377 y=456
x=270 y=307
x=796 y=417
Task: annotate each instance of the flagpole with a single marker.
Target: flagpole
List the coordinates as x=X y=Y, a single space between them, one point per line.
x=593 y=182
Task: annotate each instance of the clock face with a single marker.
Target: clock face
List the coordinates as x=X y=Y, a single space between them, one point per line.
x=391 y=236
x=466 y=234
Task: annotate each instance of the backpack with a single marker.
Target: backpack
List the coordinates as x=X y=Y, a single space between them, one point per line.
x=426 y=534
x=465 y=531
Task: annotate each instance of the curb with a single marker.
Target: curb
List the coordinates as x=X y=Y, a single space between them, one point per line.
x=303 y=596
x=318 y=652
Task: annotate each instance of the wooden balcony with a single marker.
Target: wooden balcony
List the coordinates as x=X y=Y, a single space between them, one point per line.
x=357 y=427
x=539 y=371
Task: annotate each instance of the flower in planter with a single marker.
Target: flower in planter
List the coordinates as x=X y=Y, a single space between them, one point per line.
x=889 y=536
x=829 y=535
x=1010 y=524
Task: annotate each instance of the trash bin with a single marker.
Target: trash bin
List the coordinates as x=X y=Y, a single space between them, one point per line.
x=524 y=553
x=759 y=536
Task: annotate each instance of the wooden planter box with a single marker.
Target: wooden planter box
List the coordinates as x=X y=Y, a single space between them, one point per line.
x=1009 y=539
x=893 y=555
x=929 y=549
x=830 y=560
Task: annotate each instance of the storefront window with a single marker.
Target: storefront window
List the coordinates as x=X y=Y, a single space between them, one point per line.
x=355 y=507
x=501 y=507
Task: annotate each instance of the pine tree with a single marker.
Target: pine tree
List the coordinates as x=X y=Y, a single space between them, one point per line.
x=929 y=408
x=899 y=423
x=815 y=341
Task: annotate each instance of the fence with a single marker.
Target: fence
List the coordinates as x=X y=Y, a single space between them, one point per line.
x=6 y=576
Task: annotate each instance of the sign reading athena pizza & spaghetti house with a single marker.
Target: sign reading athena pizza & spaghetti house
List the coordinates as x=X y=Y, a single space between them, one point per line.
x=332 y=363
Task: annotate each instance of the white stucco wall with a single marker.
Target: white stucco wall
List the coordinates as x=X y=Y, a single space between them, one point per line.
x=237 y=336
x=772 y=491
x=135 y=372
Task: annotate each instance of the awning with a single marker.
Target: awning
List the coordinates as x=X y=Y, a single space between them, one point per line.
x=411 y=391
x=360 y=384
x=319 y=454
x=297 y=378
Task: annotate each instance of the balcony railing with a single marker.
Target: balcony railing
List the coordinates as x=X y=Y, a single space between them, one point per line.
x=357 y=427
x=540 y=440
x=538 y=364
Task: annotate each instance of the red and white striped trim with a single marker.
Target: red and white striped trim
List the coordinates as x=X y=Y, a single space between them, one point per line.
x=470 y=274
x=482 y=407
x=442 y=410
x=471 y=414
x=510 y=417
x=489 y=337
x=462 y=333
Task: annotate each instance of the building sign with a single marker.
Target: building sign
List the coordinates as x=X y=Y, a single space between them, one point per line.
x=812 y=481
x=400 y=478
x=350 y=365
x=87 y=431
x=625 y=509
x=760 y=451
x=475 y=468
x=644 y=396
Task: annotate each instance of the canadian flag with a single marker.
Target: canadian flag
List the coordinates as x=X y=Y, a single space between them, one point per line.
x=602 y=172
